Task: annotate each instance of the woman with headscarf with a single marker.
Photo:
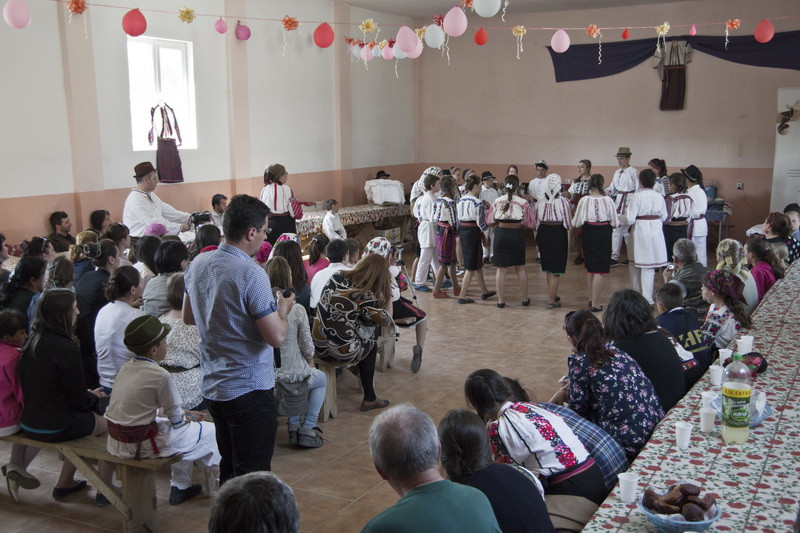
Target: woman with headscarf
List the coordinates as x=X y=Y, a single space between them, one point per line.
x=553 y=221
x=730 y=258
x=726 y=314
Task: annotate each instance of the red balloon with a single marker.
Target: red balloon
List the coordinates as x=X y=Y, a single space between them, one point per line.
x=323 y=35
x=134 y=23
x=626 y=34
x=480 y=37
x=764 y=31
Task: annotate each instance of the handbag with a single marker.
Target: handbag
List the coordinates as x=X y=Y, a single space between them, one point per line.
x=292 y=397
x=168 y=161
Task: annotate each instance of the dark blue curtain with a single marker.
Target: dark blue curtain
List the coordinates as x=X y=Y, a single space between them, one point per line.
x=579 y=62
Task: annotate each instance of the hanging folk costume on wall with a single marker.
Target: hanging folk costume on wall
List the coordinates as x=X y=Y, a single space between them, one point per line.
x=168 y=160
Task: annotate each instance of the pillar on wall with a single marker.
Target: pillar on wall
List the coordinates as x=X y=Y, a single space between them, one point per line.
x=238 y=101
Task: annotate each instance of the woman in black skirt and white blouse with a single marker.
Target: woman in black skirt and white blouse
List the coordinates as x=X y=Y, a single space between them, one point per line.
x=472 y=218
x=553 y=219
x=276 y=195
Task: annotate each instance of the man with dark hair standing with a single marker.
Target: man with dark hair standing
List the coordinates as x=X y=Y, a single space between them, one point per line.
x=143 y=207
x=219 y=202
x=60 y=238
x=229 y=298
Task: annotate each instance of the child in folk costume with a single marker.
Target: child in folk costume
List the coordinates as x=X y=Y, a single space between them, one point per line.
x=679 y=207
x=276 y=195
x=142 y=388
x=646 y=212
x=662 y=179
x=596 y=215
x=446 y=220
x=553 y=221
x=488 y=195
x=422 y=209
x=472 y=220
x=726 y=314
x=579 y=189
x=624 y=183
x=331 y=223
x=698 y=227
x=510 y=213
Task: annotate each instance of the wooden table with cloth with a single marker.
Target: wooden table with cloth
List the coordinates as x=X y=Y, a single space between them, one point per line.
x=356 y=219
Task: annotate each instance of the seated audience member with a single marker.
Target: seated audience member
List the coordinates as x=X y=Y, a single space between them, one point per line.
x=155 y=229
x=58 y=406
x=263 y=254
x=688 y=275
x=121 y=236
x=316 y=255
x=60 y=238
x=135 y=429
x=793 y=212
x=353 y=305
x=4 y=255
x=405 y=449
x=289 y=249
x=171 y=257
x=81 y=263
x=730 y=258
x=297 y=361
x=331 y=223
x=513 y=491
x=726 y=314
x=683 y=324
x=765 y=267
x=258 y=501
x=778 y=230
x=146 y=248
x=124 y=294
x=219 y=202
x=99 y=221
x=38 y=247
x=337 y=252
x=404 y=313
x=26 y=281
x=91 y=298
x=353 y=252
x=59 y=274
x=13 y=334
x=142 y=207
x=570 y=475
x=603 y=380
x=208 y=236
x=629 y=324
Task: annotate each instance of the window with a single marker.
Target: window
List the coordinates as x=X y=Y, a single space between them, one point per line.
x=161 y=70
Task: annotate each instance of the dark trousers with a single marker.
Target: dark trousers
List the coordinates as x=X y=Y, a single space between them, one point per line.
x=366 y=371
x=246 y=428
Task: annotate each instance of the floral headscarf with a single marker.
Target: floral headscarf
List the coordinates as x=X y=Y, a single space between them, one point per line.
x=378 y=245
x=725 y=283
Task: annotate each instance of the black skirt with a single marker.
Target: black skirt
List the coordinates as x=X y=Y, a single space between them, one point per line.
x=596 y=245
x=405 y=314
x=77 y=426
x=671 y=236
x=278 y=225
x=553 y=247
x=508 y=247
x=472 y=247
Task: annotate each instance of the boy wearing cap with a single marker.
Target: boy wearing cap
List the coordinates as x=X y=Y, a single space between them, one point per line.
x=143 y=207
x=142 y=388
x=624 y=183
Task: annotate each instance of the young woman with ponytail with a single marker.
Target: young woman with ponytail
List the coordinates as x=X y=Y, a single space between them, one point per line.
x=606 y=386
x=765 y=267
x=317 y=260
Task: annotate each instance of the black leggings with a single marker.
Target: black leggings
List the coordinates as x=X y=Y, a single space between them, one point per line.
x=366 y=370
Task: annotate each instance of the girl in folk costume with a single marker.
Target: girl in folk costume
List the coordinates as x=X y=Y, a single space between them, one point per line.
x=510 y=213
x=422 y=209
x=765 y=267
x=698 y=227
x=647 y=213
x=662 y=178
x=553 y=221
x=679 y=207
x=276 y=195
x=472 y=220
x=446 y=220
x=727 y=313
x=488 y=195
x=596 y=215
x=579 y=189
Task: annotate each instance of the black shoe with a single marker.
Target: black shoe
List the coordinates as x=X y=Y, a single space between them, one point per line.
x=579 y=260
x=615 y=263
x=624 y=262
x=501 y=304
x=486 y=260
x=526 y=303
x=487 y=295
x=178 y=496
x=63 y=493
x=101 y=501
x=416 y=358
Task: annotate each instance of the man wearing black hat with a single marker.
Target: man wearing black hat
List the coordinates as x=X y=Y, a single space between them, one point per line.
x=143 y=207
x=624 y=183
x=698 y=227
x=381 y=174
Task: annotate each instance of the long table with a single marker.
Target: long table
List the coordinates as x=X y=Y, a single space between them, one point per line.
x=311 y=223
x=756 y=483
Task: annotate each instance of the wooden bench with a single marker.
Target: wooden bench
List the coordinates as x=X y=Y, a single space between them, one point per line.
x=137 y=499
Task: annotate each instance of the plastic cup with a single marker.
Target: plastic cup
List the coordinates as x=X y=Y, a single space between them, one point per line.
x=707 y=417
x=724 y=354
x=628 y=483
x=715 y=371
x=745 y=344
x=683 y=432
x=708 y=397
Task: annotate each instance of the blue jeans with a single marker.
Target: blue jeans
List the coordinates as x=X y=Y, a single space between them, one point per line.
x=316 y=395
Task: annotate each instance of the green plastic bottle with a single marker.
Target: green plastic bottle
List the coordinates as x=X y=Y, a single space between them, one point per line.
x=736 y=402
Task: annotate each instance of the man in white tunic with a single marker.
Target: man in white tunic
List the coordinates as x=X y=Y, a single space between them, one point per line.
x=624 y=183
x=488 y=194
x=143 y=207
x=698 y=227
x=647 y=211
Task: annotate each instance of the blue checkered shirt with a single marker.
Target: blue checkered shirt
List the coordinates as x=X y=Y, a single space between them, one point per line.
x=607 y=453
x=229 y=292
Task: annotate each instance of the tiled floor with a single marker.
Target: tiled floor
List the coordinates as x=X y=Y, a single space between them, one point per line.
x=336 y=486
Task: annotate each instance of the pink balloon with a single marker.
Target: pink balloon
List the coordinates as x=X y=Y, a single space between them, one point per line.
x=455 y=22
x=406 y=39
x=242 y=31
x=221 y=26
x=387 y=52
x=16 y=14
x=366 y=54
x=417 y=51
x=692 y=31
x=765 y=31
x=560 y=42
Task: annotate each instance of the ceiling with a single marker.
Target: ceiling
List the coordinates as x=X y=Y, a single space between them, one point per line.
x=428 y=8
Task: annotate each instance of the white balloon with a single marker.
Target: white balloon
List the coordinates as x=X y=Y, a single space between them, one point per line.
x=398 y=53
x=356 y=51
x=434 y=36
x=486 y=8
x=376 y=51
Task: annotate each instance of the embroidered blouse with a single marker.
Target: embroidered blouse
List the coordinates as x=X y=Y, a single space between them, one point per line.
x=679 y=206
x=555 y=210
x=444 y=211
x=595 y=209
x=276 y=197
x=472 y=209
x=720 y=326
x=518 y=209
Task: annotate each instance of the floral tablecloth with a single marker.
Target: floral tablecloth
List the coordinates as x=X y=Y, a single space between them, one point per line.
x=757 y=484
x=311 y=223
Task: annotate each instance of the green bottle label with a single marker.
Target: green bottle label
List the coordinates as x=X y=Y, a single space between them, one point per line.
x=736 y=406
